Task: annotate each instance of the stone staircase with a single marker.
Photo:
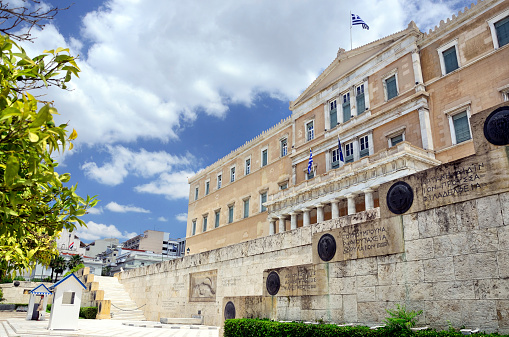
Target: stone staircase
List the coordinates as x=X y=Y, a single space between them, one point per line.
x=122 y=307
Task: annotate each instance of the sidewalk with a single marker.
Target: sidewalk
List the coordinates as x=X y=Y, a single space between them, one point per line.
x=13 y=325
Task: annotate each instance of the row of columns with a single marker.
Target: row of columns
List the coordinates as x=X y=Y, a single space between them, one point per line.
x=368 y=201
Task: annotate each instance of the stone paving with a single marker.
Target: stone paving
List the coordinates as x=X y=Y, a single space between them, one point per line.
x=14 y=324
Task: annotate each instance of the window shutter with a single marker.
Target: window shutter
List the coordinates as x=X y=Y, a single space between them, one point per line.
x=450 y=59
x=502 y=29
x=333 y=118
x=361 y=104
x=392 y=91
x=346 y=111
x=461 y=127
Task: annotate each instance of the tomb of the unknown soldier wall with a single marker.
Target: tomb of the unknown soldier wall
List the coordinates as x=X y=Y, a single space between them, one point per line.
x=439 y=242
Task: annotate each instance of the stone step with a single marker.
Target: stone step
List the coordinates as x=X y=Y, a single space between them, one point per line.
x=119 y=297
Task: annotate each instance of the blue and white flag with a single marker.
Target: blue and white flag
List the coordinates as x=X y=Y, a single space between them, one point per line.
x=341 y=158
x=310 y=164
x=356 y=20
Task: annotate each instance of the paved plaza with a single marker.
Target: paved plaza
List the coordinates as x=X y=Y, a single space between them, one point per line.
x=14 y=324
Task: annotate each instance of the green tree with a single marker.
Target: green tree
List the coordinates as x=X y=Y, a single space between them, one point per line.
x=57 y=265
x=74 y=261
x=35 y=201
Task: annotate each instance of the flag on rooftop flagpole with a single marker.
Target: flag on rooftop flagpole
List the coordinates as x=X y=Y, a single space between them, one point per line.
x=356 y=20
x=310 y=164
x=341 y=158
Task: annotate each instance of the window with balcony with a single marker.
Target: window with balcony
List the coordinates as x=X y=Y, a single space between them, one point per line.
x=310 y=130
x=349 y=153
x=216 y=224
x=232 y=174
x=246 y=208
x=333 y=114
x=230 y=213
x=248 y=166
x=219 y=180
x=263 y=199
x=360 y=99
x=265 y=157
x=364 y=146
x=284 y=147
x=499 y=27
x=347 y=113
x=391 y=87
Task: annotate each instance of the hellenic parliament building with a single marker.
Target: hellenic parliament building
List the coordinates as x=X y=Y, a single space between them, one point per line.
x=406 y=200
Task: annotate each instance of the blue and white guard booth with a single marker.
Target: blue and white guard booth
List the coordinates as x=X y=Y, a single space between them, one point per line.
x=36 y=294
x=65 y=309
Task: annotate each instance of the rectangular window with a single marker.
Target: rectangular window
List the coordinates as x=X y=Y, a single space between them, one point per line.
x=263 y=198
x=217 y=219
x=391 y=87
x=246 y=208
x=346 y=107
x=364 y=146
x=196 y=193
x=396 y=139
x=502 y=30
x=248 y=166
x=284 y=147
x=232 y=174
x=283 y=186
x=310 y=175
x=230 y=214
x=450 y=59
x=335 y=159
x=310 y=131
x=207 y=188
x=219 y=179
x=68 y=297
x=264 y=157
x=333 y=112
x=349 y=153
x=461 y=127
x=359 y=97
x=205 y=223
x=194 y=227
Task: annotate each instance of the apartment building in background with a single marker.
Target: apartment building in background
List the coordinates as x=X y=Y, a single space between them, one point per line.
x=157 y=242
x=395 y=106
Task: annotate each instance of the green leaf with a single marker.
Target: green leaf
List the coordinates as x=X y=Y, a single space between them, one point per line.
x=34 y=138
x=42 y=117
x=11 y=170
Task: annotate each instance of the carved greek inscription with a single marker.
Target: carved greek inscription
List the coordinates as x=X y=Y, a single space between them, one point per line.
x=360 y=240
x=299 y=280
x=303 y=279
x=462 y=181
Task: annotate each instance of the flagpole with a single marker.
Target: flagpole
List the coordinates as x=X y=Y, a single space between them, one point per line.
x=351 y=44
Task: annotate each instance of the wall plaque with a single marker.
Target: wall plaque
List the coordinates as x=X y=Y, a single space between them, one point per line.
x=496 y=126
x=400 y=197
x=300 y=280
x=273 y=283
x=229 y=310
x=326 y=247
x=202 y=286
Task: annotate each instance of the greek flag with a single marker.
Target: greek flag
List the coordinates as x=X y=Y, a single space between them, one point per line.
x=310 y=164
x=341 y=158
x=356 y=20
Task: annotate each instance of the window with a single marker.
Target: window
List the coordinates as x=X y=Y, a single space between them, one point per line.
x=335 y=159
x=310 y=131
x=359 y=97
x=196 y=193
x=264 y=157
x=461 y=127
x=396 y=139
x=346 y=107
x=448 y=57
x=349 y=153
x=232 y=174
x=283 y=186
x=391 y=87
x=230 y=214
x=310 y=175
x=364 y=145
x=263 y=198
x=207 y=187
x=68 y=297
x=219 y=178
x=284 y=147
x=499 y=26
x=205 y=218
x=194 y=228
x=248 y=166
x=216 y=224
x=333 y=113
x=246 y=208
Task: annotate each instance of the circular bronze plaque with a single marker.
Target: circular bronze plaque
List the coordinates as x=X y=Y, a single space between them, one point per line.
x=229 y=310
x=400 y=197
x=273 y=283
x=496 y=126
x=326 y=247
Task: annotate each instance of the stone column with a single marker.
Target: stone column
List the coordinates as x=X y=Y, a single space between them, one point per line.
x=335 y=208
x=306 y=216
x=319 y=213
x=416 y=62
x=272 y=226
x=282 y=224
x=425 y=124
x=293 y=219
x=368 y=198
x=351 y=203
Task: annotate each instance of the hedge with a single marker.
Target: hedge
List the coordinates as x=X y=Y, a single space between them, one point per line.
x=265 y=328
x=85 y=312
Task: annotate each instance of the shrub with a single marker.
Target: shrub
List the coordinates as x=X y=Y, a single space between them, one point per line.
x=1 y=295
x=400 y=321
x=48 y=307
x=6 y=279
x=19 y=278
x=88 y=312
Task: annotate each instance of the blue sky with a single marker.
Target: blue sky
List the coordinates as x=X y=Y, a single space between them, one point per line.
x=169 y=87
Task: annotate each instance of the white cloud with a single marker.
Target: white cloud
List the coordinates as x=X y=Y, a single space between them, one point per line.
x=181 y=217
x=114 y=207
x=171 y=185
x=95 y=210
x=142 y=79
x=95 y=231
x=162 y=219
